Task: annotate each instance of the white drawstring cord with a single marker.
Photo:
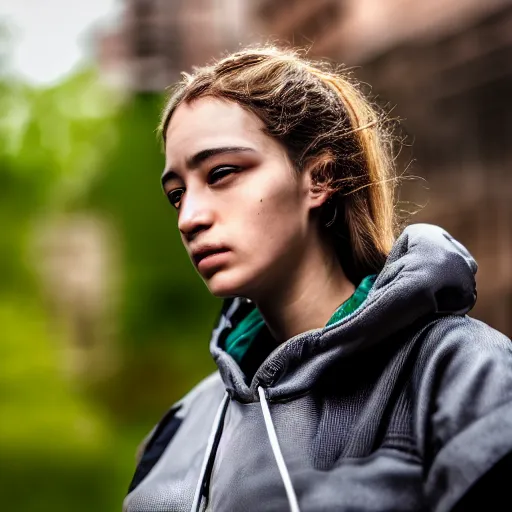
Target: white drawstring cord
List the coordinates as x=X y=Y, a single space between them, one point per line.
x=219 y=418
x=274 y=443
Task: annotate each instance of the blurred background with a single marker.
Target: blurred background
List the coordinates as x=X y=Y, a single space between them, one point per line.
x=103 y=321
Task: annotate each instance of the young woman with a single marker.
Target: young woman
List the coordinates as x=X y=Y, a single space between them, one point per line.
x=350 y=377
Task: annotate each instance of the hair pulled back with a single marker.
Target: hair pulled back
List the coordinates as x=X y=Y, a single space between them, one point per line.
x=325 y=123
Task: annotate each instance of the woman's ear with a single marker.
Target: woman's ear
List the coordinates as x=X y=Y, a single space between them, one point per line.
x=318 y=194
x=318 y=179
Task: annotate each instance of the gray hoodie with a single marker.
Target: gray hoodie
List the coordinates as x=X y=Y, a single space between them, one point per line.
x=401 y=406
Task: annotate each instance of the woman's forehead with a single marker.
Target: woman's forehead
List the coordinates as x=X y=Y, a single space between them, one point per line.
x=208 y=123
x=211 y=115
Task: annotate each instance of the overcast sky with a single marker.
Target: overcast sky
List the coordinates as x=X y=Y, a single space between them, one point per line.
x=49 y=37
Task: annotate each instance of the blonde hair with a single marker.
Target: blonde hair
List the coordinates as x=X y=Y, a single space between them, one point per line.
x=325 y=123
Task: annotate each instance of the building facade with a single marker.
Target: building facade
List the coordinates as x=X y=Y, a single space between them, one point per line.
x=156 y=40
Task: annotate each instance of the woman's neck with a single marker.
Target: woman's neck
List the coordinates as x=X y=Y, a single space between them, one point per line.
x=308 y=299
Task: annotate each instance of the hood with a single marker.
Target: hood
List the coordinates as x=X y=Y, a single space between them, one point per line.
x=427 y=272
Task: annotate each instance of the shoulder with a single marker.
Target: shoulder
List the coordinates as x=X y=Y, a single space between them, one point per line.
x=458 y=359
x=462 y=386
x=454 y=329
x=198 y=397
x=200 y=401
x=454 y=346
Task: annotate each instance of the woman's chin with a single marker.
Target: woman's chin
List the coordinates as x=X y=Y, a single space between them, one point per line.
x=223 y=285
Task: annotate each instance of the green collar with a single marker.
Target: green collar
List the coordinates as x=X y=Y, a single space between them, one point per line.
x=354 y=301
x=241 y=337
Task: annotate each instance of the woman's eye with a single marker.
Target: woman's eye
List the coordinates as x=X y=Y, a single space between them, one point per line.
x=220 y=172
x=175 y=196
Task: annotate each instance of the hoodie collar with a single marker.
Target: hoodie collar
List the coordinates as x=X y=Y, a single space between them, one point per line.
x=427 y=272
x=245 y=332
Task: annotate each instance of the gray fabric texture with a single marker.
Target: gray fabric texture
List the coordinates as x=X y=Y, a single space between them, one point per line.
x=401 y=406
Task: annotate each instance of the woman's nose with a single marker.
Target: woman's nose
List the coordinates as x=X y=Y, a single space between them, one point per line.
x=195 y=215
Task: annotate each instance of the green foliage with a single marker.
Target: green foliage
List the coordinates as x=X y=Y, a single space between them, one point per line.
x=81 y=148
x=52 y=442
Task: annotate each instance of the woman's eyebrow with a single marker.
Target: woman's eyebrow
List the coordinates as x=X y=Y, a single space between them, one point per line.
x=203 y=155
x=195 y=161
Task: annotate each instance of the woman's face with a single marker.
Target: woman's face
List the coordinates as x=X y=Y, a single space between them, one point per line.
x=243 y=211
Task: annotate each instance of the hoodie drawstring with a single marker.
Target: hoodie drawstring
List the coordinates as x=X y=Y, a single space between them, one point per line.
x=211 y=448
x=274 y=443
x=213 y=442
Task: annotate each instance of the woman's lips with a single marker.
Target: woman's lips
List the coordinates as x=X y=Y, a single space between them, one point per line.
x=207 y=255
x=211 y=260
